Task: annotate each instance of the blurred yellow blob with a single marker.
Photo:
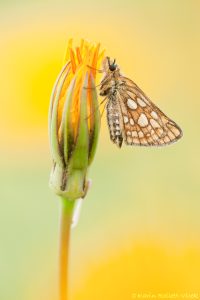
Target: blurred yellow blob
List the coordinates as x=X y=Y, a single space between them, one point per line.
x=147 y=270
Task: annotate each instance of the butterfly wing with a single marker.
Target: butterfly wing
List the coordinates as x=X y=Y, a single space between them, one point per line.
x=144 y=124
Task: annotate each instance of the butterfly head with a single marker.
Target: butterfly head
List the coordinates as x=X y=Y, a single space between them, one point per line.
x=110 y=66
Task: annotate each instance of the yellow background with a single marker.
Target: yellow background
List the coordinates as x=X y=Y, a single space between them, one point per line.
x=139 y=228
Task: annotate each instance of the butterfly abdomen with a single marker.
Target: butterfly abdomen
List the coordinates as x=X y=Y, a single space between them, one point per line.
x=113 y=120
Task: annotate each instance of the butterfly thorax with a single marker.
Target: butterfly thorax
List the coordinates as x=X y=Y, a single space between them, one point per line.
x=109 y=87
x=110 y=83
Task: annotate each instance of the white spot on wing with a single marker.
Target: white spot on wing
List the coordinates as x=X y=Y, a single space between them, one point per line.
x=143 y=98
x=154 y=123
x=131 y=104
x=117 y=133
x=142 y=121
x=154 y=115
x=125 y=119
x=141 y=102
x=131 y=121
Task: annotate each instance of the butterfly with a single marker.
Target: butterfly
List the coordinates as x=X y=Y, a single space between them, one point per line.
x=132 y=117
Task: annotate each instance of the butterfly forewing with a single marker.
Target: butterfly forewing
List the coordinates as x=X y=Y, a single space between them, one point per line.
x=144 y=123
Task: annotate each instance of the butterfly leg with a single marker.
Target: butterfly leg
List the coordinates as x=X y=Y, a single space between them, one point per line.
x=91 y=88
x=97 y=70
x=103 y=110
x=98 y=107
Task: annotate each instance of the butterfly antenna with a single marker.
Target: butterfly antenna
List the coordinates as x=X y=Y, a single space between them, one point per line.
x=108 y=61
x=97 y=70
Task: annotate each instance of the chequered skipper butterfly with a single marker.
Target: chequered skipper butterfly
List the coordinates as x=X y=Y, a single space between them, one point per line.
x=132 y=117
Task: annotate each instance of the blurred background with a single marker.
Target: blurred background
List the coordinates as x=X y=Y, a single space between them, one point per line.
x=139 y=230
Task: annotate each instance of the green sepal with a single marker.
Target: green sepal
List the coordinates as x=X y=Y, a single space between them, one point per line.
x=78 y=163
x=54 y=143
x=67 y=139
x=96 y=121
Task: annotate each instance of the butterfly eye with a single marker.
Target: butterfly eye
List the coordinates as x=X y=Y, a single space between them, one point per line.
x=113 y=66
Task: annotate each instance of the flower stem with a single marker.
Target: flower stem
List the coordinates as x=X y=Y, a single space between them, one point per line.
x=66 y=213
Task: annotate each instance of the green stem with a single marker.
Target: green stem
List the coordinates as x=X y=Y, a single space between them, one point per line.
x=66 y=213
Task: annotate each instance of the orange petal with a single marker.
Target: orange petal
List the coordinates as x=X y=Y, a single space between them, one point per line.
x=73 y=61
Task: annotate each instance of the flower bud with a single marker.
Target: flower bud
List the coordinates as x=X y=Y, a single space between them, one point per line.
x=74 y=121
